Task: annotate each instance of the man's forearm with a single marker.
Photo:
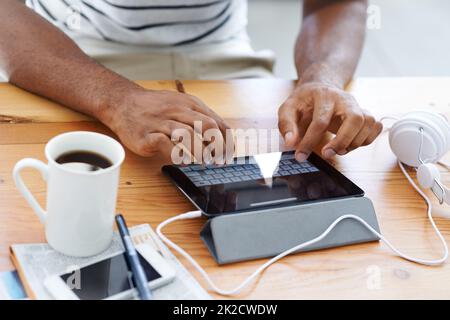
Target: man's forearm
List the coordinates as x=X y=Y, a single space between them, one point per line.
x=36 y=56
x=330 y=43
x=327 y=53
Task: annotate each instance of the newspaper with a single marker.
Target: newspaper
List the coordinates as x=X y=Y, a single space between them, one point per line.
x=38 y=261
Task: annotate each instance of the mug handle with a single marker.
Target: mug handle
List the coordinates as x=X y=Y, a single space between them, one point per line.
x=43 y=169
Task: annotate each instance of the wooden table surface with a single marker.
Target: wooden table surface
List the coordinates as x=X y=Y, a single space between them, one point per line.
x=360 y=271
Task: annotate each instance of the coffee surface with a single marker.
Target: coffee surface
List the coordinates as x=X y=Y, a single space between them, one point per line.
x=84 y=161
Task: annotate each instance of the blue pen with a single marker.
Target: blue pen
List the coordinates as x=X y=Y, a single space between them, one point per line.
x=137 y=271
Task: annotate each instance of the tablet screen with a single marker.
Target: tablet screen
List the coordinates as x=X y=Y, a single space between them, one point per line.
x=273 y=179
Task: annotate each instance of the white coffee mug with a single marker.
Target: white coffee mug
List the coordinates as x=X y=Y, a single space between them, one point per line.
x=80 y=204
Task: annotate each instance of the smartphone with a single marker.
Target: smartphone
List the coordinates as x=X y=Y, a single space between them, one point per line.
x=110 y=278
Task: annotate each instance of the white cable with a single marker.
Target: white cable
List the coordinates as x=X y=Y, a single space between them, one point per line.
x=446 y=165
x=393 y=118
x=197 y=214
x=430 y=217
x=386 y=129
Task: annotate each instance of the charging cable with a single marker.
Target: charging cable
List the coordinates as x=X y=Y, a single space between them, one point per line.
x=246 y=282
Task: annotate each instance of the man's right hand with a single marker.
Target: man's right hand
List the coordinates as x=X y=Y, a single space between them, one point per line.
x=144 y=120
x=39 y=58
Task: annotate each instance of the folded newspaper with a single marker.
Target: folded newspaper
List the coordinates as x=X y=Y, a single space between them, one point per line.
x=35 y=262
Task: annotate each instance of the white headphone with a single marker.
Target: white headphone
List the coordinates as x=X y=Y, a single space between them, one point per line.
x=419 y=140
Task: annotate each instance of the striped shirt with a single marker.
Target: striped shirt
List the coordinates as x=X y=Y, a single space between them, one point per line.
x=148 y=22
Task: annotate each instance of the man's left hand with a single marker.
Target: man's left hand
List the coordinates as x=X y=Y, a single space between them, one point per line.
x=315 y=108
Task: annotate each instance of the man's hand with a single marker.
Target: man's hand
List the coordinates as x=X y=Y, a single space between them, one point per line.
x=315 y=108
x=50 y=64
x=326 y=55
x=144 y=120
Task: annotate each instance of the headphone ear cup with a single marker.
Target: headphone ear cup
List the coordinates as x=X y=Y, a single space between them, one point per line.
x=426 y=175
x=405 y=137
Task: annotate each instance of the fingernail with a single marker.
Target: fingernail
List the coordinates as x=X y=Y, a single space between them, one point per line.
x=288 y=137
x=342 y=152
x=300 y=156
x=329 y=153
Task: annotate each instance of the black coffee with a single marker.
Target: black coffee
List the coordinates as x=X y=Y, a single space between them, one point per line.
x=84 y=161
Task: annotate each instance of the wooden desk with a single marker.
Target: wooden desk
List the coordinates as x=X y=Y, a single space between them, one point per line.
x=361 y=271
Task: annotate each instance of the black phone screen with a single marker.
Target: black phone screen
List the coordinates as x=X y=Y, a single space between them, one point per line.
x=105 y=278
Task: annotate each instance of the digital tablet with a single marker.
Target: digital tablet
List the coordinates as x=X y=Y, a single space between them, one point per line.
x=260 y=181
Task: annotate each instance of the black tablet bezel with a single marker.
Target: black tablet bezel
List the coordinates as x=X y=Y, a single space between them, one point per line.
x=196 y=196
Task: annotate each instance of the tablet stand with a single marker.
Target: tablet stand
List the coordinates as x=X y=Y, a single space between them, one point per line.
x=266 y=233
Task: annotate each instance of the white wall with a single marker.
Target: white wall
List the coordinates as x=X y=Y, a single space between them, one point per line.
x=274 y=25
x=414 y=39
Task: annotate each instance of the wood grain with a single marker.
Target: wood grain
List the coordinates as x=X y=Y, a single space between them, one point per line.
x=27 y=122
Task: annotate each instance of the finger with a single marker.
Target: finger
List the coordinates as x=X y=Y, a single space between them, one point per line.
x=288 y=119
x=323 y=112
x=305 y=121
x=154 y=143
x=207 y=126
x=201 y=107
x=184 y=134
x=376 y=130
x=212 y=133
x=347 y=132
x=197 y=120
x=363 y=134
